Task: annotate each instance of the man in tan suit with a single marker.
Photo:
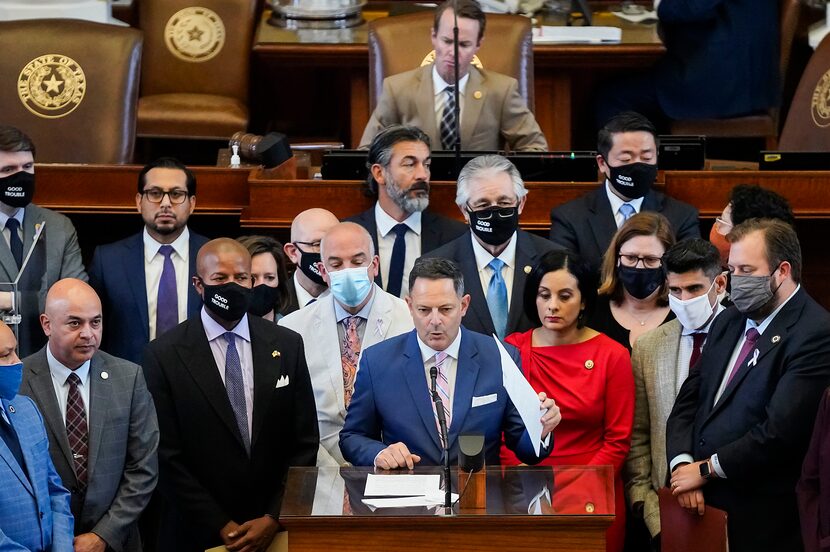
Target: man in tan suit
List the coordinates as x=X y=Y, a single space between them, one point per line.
x=493 y=114
x=661 y=360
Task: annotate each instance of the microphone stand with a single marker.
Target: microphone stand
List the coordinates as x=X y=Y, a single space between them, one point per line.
x=442 y=422
x=456 y=93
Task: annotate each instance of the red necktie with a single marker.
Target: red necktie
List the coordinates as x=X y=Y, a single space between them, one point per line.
x=697 y=347
x=76 y=429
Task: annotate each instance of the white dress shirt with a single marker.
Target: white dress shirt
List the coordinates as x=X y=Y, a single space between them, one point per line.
x=687 y=345
x=153 y=266
x=616 y=203
x=386 y=242
x=60 y=373
x=219 y=348
x=439 y=86
x=483 y=258
x=450 y=365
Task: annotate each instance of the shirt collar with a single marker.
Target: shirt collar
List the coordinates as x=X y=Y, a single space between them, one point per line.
x=17 y=215
x=385 y=223
x=61 y=372
x=705 y=328
x=439 y=84
x=428 y=352
x=761 y=326
x=151 y=246
x=483 y=257
x=341 y=314
x=616 y=202
x=213 y=329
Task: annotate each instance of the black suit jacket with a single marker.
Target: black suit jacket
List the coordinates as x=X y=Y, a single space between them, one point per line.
x=760 y=426
x=436 y=230
x=529 y=248
x=206 y=477
x=586 y=224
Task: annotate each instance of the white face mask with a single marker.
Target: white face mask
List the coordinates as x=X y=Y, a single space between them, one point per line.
x=692 y=313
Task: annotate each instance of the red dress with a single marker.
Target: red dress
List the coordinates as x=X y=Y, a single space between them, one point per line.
x=596 y=399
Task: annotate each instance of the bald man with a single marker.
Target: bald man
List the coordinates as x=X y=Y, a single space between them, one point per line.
x=355 y=315
x=103 y=432
x=307 y=229
x=235 y=408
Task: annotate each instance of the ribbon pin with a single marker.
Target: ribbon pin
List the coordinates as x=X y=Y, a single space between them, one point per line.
x=754 y=360
x=379 y=327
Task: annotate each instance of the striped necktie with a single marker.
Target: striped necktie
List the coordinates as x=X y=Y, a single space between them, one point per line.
x=442 y=387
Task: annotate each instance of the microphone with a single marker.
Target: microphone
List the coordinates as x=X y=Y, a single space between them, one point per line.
x=445 y=439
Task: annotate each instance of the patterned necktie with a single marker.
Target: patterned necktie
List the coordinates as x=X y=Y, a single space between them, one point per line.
x=448 y=124
x=752 y=336
x=15 y=244
x=236 y=389
x=77 y=431
x=497 y=298
x=627 y=211
x=395 y=280
x=349 y=357
x=697 y=347
x=167 y=302
x=442 y=386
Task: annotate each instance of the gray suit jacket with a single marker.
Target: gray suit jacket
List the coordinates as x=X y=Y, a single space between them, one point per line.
x=493 y=115
x=123 y=438
x=56 y=256
x=654 y=360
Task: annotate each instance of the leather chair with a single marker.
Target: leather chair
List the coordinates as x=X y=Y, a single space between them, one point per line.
x=807 y=127
x=761 y=125
x=194 y=80
x=72 y=86
x=400 y=43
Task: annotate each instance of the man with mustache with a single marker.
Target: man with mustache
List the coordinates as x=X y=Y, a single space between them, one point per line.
x=401 y=227
x=144 y=280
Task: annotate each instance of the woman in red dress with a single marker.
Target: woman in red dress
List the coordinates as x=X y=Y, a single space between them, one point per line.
x=587 y=373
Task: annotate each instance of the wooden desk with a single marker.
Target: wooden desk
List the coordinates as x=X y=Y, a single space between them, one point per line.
x=310 y=82
x=582 y=501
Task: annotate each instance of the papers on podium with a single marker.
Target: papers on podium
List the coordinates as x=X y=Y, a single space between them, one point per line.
x=524 y=398
x=576 y=35
x=405 y=489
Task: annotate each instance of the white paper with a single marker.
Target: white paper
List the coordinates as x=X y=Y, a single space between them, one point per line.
x=639 y=17
x=524 y=398
x=408 y=502
x=580 y=35
x=402 y=485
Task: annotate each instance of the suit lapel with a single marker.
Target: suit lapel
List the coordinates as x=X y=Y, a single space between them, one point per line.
x=136 y=280
x=425 y=104
x=43 y=392
x=194 y=302
x=478 y=302
x=326 y=327
x=413 y=370
x=380 y=318
x=7 y=261
x=603 y=225
x=25 y=448
x=466 y=375
x=525 y=257
x=472 y=105
x=430 y=232
x=665 y=369
x=100 y=393
x=267 y=370
x=367 y=220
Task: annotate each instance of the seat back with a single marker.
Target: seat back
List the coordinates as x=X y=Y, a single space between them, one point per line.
x=72 y=86
x=807 y=127
x=199 y=47
x=400 y=43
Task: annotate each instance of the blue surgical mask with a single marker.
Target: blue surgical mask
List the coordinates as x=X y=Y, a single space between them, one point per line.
x=11 y=376
x=350 y=286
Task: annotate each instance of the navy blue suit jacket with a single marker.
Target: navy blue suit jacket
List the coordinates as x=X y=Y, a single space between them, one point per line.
x=392 y=403
x=117 y=274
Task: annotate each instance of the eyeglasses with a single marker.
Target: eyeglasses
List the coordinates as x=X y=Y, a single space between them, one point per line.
x=486 y=213
x=314 y=246
x=154 y=195
x=649 y=261
x=722 y=227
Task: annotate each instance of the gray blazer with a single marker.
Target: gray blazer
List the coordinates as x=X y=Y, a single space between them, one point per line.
x=123 y=438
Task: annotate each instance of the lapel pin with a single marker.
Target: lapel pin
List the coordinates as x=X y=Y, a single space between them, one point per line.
x=275 y=354
x=477 y=94
x=589 y=364
x=755 y=354
x=776 y=338
x=12 y=409
x=528 y=269
x=589 y=507
x=105 y=375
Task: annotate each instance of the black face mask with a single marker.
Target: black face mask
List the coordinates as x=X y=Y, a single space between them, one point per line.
x=263 y=300
x=227 y=301
x=494 y=228
x=640 y=282
x=18 y=189
x=308 y=265
x=633 y=180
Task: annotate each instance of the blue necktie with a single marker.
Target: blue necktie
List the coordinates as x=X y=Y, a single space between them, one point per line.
x=15 y=244
x=236 y=389
x=627 y=211
x=395 y=280
x=497 y=298
x=167 y=302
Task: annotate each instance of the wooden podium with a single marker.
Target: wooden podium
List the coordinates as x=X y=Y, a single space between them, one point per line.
x=542 y=508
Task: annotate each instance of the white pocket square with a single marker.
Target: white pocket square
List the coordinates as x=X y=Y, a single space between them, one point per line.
x=485 y=399
x=282 y=382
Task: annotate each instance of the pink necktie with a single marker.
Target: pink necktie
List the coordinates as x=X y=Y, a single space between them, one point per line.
x=442 y=385
x=752 y=336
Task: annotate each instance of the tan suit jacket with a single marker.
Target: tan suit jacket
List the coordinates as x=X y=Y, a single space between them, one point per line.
x=493 y=114
x=654 y=360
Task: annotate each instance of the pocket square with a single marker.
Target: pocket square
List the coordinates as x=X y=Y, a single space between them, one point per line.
x=485 y=399
x=282 y=382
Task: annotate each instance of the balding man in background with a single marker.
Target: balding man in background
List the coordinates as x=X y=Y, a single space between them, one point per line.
x=103 y=433
x=307 y=229
x=235 y=409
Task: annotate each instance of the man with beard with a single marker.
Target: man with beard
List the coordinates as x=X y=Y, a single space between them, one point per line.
x=144 y=280
x=401 y=229
x=741 y=424
x=306 y=286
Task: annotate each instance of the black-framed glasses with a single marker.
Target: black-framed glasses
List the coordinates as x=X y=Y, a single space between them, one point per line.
x=315 y=246
x=649 y=261
x=486 y=213
x=155 y=195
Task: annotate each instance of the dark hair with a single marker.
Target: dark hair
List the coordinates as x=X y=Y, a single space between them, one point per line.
x=168 y=163
x=780 y=239
x=380 y=151
x=752 y=201
x=577 y=267
x=437 y=268
x=693 y=254
x=13 y=140
x=469 y=9
x=627 y=121
x=256 y=245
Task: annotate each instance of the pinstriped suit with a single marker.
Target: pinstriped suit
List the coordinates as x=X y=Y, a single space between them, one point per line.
x=34 y=510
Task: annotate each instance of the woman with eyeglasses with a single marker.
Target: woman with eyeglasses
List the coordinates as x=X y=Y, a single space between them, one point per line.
x=270 y=295
x=633 y=296
x=589 y=376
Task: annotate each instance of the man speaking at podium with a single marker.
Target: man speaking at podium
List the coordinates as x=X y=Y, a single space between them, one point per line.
x=493 y=114
x=392 y=422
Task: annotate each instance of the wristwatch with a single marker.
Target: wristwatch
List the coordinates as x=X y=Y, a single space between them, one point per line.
x=706 y=472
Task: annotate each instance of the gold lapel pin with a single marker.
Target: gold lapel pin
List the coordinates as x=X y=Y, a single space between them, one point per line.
x=275 y=354
x=477 y=94
x=528 y=269
x=104 y=375
x=589 y=364
x=776 y=338
x=589 y=507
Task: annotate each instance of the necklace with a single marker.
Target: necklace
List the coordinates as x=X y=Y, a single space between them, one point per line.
x=643 y=320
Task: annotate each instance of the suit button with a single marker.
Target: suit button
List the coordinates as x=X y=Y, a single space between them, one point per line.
x=41 y=515
x=702 y=442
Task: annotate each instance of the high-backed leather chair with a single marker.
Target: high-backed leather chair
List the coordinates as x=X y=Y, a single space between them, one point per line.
x=761 y=125
x=400 y=43
x=72 y=86
x=194 y=80
x=807 y=127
